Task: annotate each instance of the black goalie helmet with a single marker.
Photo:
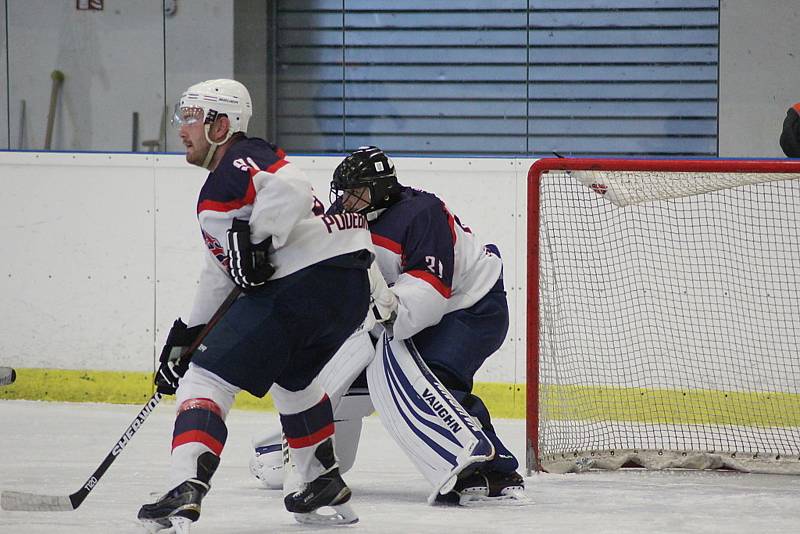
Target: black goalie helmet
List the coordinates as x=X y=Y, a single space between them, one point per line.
x=368 y=167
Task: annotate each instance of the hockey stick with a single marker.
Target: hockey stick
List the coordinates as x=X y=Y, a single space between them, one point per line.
x=7 y=376
x=34 y=502
x=58 y=79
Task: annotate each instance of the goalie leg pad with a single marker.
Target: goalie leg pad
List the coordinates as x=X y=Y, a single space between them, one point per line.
x=267 y=460
x=348 y=434
x=350 y=360
x=431 y=427
x=346 y=365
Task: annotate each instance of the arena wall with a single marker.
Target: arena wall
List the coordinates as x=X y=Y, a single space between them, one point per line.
x=104 y=253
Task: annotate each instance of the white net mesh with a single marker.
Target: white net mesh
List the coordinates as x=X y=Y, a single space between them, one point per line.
x=625 y=188
x=669 y=325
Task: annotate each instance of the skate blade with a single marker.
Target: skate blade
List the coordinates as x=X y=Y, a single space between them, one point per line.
x=178 y=525
x=343 y=514
x=154 y=527
x=515 y=497
x=181 y=525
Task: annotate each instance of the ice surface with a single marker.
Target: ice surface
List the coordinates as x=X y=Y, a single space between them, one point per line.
x=53 y=447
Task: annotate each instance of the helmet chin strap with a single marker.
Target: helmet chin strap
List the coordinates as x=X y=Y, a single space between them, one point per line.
x=213 y=148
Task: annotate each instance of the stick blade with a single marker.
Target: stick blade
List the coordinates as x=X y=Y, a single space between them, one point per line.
x=7 y=376
x=32 y=502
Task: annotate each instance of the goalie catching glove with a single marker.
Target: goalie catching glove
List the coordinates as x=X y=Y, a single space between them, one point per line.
x=173 y=362
x=248 y=263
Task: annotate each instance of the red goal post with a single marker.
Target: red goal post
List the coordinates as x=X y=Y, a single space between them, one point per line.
x=654 y=289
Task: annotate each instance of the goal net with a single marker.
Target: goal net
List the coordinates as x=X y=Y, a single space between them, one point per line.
x=664 y=314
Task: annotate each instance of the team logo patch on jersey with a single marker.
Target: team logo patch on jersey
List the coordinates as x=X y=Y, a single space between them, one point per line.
x=216 y=248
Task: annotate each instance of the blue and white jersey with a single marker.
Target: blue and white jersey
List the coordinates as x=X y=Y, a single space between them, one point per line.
x=254 y=182
x=434 y=264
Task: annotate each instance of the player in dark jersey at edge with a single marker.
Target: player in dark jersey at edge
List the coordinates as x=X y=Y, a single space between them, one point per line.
x=449 y=288
x=305 y=289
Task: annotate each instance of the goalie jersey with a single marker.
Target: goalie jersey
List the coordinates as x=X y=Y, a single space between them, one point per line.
x=434 y=264
x=255 y=182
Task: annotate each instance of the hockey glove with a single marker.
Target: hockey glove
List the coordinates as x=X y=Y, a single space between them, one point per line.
x=248 y=263
x=173 y=362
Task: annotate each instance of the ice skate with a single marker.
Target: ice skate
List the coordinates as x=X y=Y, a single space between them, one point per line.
x=328 y=490
x=505 y=485
x=175 y=511
x=489 y=487
x=470 y=484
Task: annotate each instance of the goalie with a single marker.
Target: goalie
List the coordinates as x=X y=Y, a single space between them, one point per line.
x=448 y=312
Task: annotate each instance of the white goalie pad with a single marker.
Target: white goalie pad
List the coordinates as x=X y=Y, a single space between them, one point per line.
x=268 y=457
x=349 y=406
x=348 y=362
x=431 y=427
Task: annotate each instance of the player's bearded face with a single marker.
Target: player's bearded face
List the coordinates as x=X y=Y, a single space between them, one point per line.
x=195 y=143
x=192 y=133
x=355 y=200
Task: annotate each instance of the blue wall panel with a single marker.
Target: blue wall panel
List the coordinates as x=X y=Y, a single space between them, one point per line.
x=511 y=77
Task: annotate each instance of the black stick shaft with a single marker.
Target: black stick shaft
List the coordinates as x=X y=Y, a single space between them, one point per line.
x=78 y=497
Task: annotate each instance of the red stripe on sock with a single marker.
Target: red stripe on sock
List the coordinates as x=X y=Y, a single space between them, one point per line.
x=198 y=436
x=312 y=439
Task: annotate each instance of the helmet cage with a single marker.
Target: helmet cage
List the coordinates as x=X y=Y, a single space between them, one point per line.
x=366 y=167
x=358 y=199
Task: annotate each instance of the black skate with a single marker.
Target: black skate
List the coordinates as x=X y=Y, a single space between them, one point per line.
x=486 y=487
x=504 y=484
x=326 y=490
x=470 y=484
x=177 y=509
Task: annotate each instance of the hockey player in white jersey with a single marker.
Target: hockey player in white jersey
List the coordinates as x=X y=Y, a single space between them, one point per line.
x=305 y=289
x=447 y=301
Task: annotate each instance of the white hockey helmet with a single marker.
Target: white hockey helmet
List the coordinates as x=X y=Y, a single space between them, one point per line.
x=205 y=100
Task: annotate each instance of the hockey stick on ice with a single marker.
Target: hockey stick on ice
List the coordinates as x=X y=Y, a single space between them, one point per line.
x=7 y=376
x=34 y=502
